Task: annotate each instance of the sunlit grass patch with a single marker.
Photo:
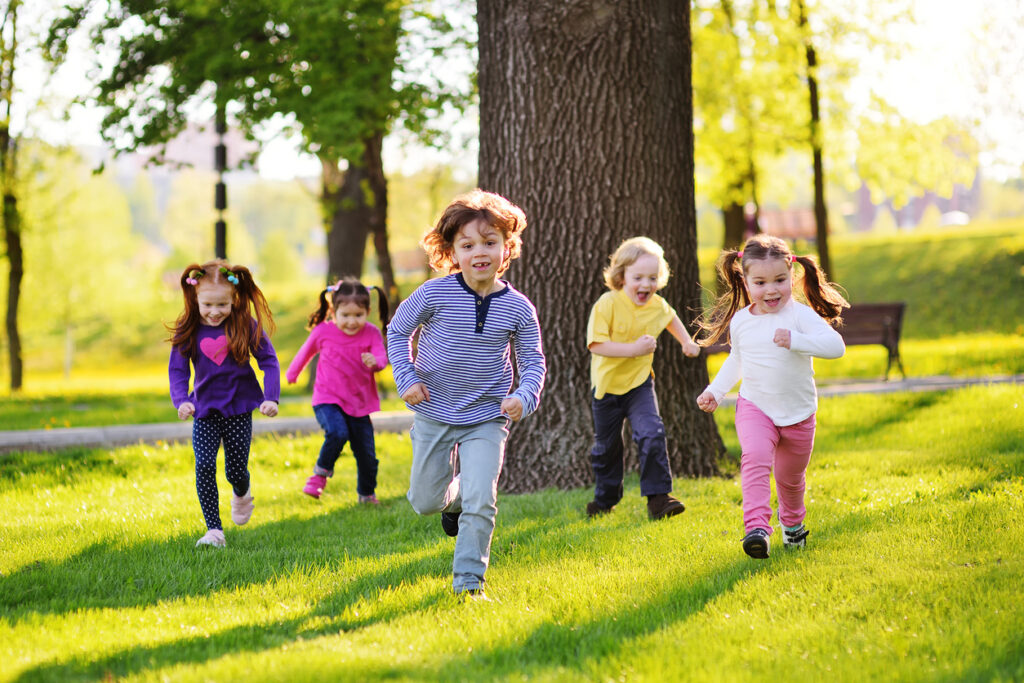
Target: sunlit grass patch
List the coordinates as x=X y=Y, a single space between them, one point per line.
x=912 y=571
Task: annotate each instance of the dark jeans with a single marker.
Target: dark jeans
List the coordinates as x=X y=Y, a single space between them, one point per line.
x=640 y=405
x=340 y=428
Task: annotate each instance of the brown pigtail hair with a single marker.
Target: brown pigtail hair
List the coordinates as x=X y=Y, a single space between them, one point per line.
x=715 y=322
x=320 y=314
x=823 y=296
x=348 y=290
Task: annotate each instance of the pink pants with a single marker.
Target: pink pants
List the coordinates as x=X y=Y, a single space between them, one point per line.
x=766 y=446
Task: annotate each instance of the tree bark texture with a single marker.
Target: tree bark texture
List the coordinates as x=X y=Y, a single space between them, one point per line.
x=586 y=123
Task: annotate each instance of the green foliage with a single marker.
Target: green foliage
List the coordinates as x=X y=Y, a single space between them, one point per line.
x=327 y=65
x=901 y=159
x=897 y=582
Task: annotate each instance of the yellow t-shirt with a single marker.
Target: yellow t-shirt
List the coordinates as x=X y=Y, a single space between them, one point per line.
x=616 y=318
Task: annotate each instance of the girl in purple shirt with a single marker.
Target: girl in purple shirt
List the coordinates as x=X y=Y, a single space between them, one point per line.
x=345 y=391
x=226 y=319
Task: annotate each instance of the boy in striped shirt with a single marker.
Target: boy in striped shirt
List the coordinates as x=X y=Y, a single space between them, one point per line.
x=459 y=381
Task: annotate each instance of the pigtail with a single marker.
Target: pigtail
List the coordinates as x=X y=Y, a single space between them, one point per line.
x=823 y=296
x=320 y=314
x=715 y=322
x=382 y=306
x=249 y=305
x=183 y=331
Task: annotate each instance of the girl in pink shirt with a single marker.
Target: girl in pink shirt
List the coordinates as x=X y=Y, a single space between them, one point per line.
x=345 y=391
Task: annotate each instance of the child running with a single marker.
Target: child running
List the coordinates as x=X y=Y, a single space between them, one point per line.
x=460 y=381
x=622 y=335
x=226 y=319
x=345 y=391
x=773 y=339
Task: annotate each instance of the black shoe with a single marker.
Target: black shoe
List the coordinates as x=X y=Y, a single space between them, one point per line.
x=663 y=505
x=596 y=510
x=450 y=523
x=797 y=538
x=472 y=594
x=756 y=544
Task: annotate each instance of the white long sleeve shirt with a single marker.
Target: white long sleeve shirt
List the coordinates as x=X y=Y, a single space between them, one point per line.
x=779 y=381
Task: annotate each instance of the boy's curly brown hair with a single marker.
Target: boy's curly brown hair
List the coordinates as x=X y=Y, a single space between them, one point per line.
x=502 y=215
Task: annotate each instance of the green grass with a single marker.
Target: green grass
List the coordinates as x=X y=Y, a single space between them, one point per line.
x=913 y=571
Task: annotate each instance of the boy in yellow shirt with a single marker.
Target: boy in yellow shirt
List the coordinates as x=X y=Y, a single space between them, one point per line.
x=621 y=336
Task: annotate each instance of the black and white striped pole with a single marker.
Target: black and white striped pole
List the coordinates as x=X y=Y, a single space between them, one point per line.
x=220 y=201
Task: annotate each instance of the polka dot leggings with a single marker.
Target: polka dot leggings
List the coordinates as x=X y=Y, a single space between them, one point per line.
x=207 y=434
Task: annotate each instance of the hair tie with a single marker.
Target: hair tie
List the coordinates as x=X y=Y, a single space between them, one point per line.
x=193 y=276
x=791 y=258
x=231 y=277
x=331 y=288
x=739 y=254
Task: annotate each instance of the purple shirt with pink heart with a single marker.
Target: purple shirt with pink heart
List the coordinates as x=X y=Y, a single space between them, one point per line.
x=222 y=385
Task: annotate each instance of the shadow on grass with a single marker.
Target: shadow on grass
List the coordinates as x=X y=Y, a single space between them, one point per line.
x=68 y=463
x=111 y=577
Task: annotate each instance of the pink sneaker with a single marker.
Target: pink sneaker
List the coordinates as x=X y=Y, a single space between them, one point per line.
x=241 y=507
x=315 y=485
x=371 y=499
x=213 y=537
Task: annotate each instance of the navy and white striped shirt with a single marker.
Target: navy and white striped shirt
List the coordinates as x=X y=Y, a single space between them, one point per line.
x=463 y=354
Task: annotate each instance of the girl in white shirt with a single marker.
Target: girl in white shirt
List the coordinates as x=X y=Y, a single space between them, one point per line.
x=773 y=338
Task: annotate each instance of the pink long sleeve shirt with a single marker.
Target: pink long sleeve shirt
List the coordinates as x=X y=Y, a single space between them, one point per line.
x=341 y=376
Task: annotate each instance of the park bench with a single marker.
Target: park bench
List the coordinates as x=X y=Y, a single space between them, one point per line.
x=865 y=324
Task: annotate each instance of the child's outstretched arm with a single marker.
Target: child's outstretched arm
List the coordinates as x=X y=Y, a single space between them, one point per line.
x=641 y=347
x=376 y=358
x=178 y=372
x=815 y=337
x=411 y=313
x=266 y=358
x=531 y=366
x=305 y=353
x=678 y=330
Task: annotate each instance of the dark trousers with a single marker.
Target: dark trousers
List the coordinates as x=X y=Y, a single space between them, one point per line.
x=207 y=435
x=341 y=428
x=640 y=405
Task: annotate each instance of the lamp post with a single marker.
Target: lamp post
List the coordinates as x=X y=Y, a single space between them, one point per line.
x=220 y=201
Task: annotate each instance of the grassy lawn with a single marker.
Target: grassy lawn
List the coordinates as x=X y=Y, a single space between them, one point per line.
x=913 y=570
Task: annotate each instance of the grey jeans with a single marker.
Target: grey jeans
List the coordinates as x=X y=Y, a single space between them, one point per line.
x=434 y=486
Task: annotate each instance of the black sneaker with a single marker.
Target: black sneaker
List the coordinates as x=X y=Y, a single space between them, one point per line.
x=663 y=505
x=756 y=544
x=472 y=594
x=795 y=538
x=450 y=523
x=594 y=509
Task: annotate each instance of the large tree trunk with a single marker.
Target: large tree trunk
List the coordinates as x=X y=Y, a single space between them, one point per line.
x=586 y=122
x=817 y=142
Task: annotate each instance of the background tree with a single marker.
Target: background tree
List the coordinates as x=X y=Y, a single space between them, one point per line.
x=326 y=65
x=8 y=188
x=80 y=286
x=585 y=122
